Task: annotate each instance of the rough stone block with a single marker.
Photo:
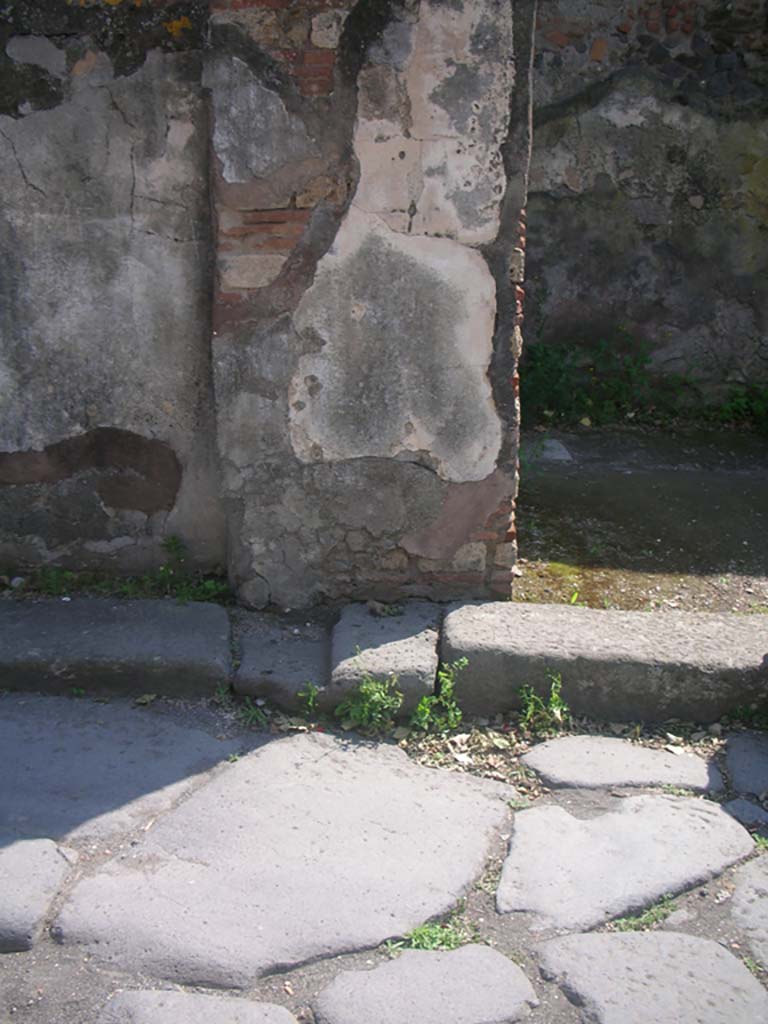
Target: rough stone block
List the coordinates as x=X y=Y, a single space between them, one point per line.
x=616 y=863
x=595 y=761
x=278 y=659
x=306 y=848
x=621 y=666
x=471 y=985
x=404 y=644
x=148 y=1007
x=750 y=905
x=747 y=761
x=98 y=645
x=660 y=977
x=31 y=871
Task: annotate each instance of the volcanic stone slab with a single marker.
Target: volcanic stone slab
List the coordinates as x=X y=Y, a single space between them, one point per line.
x=151 y=1007
x=750 y=905
x=664 y=977
x=77 y=768
x=403 y=644
x=617 y=665
x=101 y=644
x=597 y=761
x=577 y=874
x=747 y=762
x=746 y=812
x=307 y=847
x=31 y=872
x=278 y=659
x=471 y=985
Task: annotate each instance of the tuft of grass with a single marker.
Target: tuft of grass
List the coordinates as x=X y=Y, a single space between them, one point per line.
x=372 y=707
x=440 y=712
x=308 y=696
x=437 y=935
x=541 y=716
x=761 y=843
x=251 y=715
x=648 y=919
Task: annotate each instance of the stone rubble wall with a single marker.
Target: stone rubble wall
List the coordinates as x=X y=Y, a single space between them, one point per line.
x=648 y=203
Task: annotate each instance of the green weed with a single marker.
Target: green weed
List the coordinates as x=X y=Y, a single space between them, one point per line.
x=648 y=919
x=251 y=715
x=541 y=716
x=445 y=935
x=372 y=707
x=761 y=843
x=308 y=696
x=440 y=712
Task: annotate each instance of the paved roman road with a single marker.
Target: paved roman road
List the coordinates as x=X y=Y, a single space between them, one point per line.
x=157 y=867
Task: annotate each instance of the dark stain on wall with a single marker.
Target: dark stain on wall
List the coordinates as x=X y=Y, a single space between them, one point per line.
x=134 y=472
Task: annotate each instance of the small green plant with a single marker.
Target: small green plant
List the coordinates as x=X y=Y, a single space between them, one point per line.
x=440 y=712
x=753 y=966
x=761 y=843
x=677 y=790
x=437 y=935
x=308 y=696
x=542 y=716
x=372 y=707
x=77 y=691
x=648 y=919
x=753 y=716
x=222 y=695
x=251 y=715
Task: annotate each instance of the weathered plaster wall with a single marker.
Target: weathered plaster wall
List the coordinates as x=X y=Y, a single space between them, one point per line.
x=363 y=374
x=106 y=425
x=648 y=207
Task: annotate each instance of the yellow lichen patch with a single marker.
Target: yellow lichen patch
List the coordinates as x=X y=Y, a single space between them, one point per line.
x=177 y=26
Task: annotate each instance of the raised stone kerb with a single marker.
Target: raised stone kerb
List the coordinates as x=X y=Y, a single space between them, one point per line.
x=101 y=644
x=403 y=644
x=617 y=665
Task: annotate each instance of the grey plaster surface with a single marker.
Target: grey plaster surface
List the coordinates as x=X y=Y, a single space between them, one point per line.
x=747 y=761
x=161 y=1007
x=403 y=644
x=31 y=872
x=76 y=768
x=470 y=985
x=576 y=874
x=597 y=761
x=617 y=665
x=664 y=978
x=750 y=905
x=305 y=848
x=102 y=644
x=277 y=659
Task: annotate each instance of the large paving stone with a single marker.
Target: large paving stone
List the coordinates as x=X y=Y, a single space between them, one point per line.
x=77 y=768
x=101 y=644
x=31 y=872
x=277 y=659
x=471 y=985
x=750 y=905
x=308 y=847
x=659 y=977
x=618 y=665
x=150 y=1007
x=746 y=812
x=577 y=874
x=747 y=762
x=594 y=761
x=404 y=644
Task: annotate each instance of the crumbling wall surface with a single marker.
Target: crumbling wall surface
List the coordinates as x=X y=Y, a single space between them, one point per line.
x=648 y=208
x=106 y=425
x=368 y=170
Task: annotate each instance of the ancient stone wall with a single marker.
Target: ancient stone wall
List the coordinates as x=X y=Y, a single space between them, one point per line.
x=261 y=272
x=107 y=433
x=648 y=208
